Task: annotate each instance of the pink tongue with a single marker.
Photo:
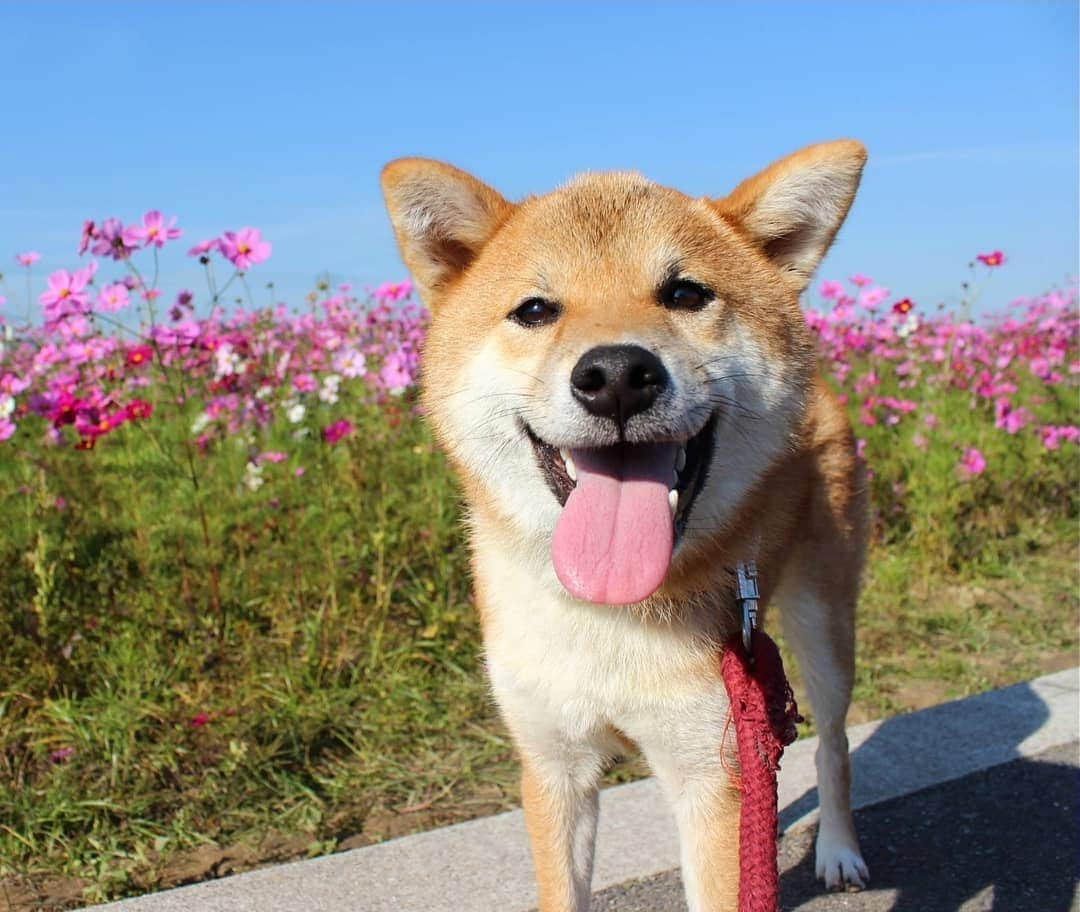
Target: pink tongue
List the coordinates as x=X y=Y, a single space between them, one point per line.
x=613 y=541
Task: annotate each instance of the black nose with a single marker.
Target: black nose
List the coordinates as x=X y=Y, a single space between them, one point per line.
x=617 y=381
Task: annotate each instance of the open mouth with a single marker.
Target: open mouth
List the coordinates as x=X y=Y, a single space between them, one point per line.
x=624 y=508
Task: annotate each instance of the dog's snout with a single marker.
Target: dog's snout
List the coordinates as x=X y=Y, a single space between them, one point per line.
x=617 y=381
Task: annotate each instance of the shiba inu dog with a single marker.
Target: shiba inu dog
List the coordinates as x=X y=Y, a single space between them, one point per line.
x=625 y=385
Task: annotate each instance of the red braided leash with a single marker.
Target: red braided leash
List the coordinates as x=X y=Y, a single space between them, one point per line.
x=764 y=711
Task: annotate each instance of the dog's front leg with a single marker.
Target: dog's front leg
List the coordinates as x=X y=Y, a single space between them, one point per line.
x=560 y=813
x=683 y=742
x=563 y=754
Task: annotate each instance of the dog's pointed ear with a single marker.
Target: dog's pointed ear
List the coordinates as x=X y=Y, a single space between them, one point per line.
x=793 y=209
x=442 y=217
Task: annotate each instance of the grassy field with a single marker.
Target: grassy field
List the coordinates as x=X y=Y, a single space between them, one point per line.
x=242 y=632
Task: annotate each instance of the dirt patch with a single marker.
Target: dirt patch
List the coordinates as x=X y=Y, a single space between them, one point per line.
x=53 y=894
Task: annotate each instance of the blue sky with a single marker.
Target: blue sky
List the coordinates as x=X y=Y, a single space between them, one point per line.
x=281 y=115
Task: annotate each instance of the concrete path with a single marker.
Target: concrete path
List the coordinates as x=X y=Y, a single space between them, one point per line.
x=1004 y=838
x=484 y=865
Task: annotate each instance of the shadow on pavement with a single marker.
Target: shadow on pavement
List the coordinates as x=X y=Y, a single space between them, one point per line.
x=1004 y=838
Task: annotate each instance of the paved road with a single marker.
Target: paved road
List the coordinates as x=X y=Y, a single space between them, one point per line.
x=1005 y=839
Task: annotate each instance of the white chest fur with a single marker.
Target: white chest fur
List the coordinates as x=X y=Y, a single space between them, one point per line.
x=564 y=668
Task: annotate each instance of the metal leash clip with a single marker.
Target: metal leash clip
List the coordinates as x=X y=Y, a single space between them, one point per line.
x=746 y=579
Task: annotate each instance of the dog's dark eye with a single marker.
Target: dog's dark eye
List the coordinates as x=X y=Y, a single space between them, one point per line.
x=535 y=312
x=680 y=294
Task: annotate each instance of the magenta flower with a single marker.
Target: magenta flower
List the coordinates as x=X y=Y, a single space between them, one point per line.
x=153 y=232
x=336 y=431
x=1052 y=435
x=89 y=232
x=61 y=755
x=1009 y=419
x=27 y=259
x=972 y=462
x=200 y=719
x=244 y=248
x=393 y=291
x=111 y=242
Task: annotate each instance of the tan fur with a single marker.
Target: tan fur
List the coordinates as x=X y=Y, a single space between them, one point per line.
x=575 y=679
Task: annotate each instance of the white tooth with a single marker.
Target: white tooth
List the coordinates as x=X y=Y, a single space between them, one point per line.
x=680 y=460
x=673 y=501
x=568 y=461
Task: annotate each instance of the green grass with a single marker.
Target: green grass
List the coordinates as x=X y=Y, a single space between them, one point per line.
x=322 y=626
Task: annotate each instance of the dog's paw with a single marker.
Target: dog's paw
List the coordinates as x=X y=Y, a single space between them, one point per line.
x=839 y=864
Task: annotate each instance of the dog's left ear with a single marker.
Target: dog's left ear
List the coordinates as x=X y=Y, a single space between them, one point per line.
x=442 y=218
x=793 y=209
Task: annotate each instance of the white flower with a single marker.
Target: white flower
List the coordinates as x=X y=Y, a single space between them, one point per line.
x=908 y=326
x=329 y=391
x=200 y=423
x=226 y=361
x=253 y=479
x=295 y=413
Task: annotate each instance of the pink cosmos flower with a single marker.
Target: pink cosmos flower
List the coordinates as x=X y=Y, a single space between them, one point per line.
x=204 y=247
x=153 y=232
x=991 y=259
x=89 y=232
x=60 y=755
x=1009 y=419
x=27 y=259
x=872 y=297
x=138 y=354
x=7 y=428
x=137 y=409
x=244 y=248
x=393 y=291
x=66 y=293
x=272 y=456
x=830 y=289
x=349 y=363
x=110 y=241
x=336 y=431
x=972 y=462
x=12 y=385
x=113 y=298
x=305 y=383
x=1052 y=435
x=859 y=280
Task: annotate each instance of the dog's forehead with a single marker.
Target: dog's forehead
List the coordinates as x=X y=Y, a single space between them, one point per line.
x=615 y=221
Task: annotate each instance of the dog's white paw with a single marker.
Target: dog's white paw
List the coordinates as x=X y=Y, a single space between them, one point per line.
x=839 y=863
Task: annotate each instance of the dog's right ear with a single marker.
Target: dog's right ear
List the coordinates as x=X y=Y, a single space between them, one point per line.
x=442 y=217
